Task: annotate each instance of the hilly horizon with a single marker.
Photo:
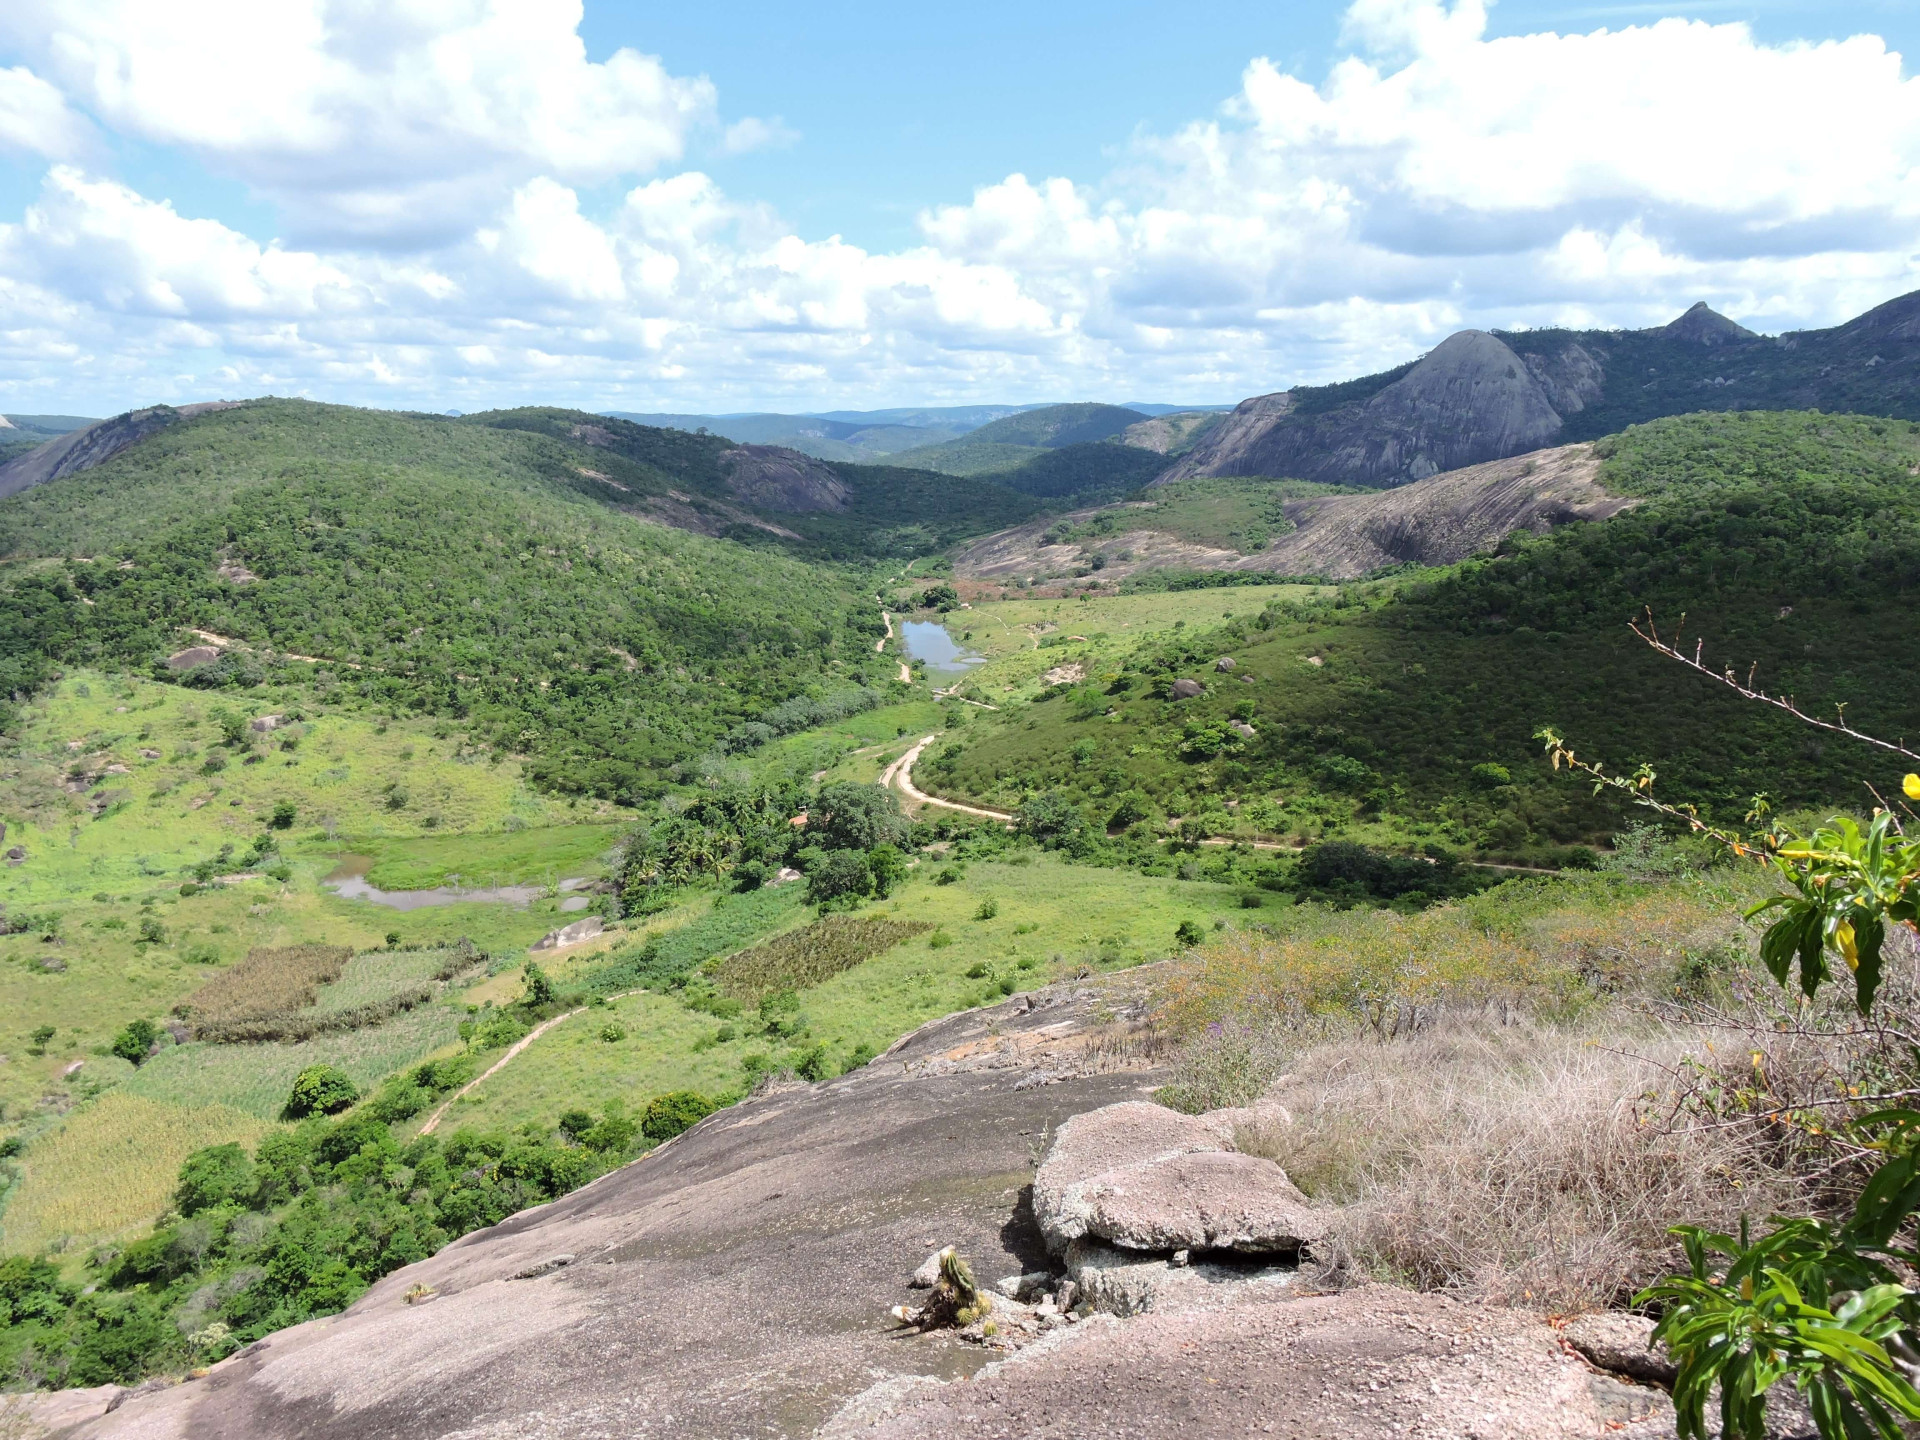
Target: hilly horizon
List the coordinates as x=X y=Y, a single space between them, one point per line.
x=540 y=903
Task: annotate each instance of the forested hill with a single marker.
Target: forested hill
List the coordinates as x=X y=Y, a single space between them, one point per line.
x=461 y=568
x=1790 y=542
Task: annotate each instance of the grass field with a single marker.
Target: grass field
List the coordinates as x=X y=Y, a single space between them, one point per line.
x=1051 y=920
x=108 y=1169
x=1226 y=512
x=834 y=747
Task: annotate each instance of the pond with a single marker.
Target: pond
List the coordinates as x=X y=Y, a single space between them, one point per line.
x=928 y=642
x=349 y=882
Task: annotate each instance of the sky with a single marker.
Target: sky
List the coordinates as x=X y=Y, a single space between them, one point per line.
x=461 y=204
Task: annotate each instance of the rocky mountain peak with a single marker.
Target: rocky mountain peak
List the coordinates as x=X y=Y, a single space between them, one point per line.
x=1703 y=325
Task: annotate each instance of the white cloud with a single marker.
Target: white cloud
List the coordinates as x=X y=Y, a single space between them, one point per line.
x=1433 y=179
x=376 y=118
x=753 y=133
x=35 y=117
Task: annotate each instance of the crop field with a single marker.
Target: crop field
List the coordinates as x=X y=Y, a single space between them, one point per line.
x=108 y=1169
x=286 y=977
x=255 y=1079
x=808 y=956
x=1050 y=920
x=379 y=974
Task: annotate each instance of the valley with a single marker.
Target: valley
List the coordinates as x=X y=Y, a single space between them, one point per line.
x=412 y=821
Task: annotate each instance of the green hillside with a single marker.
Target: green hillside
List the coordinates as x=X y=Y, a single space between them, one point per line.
x=1383 y=707
x=458 y=568
x=1052 y=426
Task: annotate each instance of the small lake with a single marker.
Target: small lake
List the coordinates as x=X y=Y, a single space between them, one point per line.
x=928 y=642
x=349 y=882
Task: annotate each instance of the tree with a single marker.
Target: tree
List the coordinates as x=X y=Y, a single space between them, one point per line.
x=1050 y=817
x=217 y=1175
x=283 y=815
x=540 y=989
x=839 y=875
x=136 y=1041
x=845 y=816
x=888 y=867
x=319 y=1090
x=668 y=1115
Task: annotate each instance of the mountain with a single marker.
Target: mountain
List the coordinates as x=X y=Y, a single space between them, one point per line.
x=1482 y=396
x=1172 y=432
x=856 y=438
x=91 y=444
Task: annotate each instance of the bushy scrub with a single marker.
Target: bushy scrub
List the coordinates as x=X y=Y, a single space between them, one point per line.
x=668 y=1115
x=320 y=1090
x=296 y=1230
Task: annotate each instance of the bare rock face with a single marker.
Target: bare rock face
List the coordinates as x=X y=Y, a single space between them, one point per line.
x=770 y=477
x=572 y=934
x=94 y=444
x=192 y=657
x=1092 y=1144
x=1215 y=1200
x=1472 y=399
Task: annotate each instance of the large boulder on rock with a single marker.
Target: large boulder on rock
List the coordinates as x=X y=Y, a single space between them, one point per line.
x=1212 y=1200
x=1146 y=1178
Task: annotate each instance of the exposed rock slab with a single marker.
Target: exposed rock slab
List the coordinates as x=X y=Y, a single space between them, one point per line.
x=771 y=477
x=735 y=1282
x=1368 y=1364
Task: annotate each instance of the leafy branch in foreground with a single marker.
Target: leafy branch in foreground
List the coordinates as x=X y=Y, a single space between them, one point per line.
x=1826 y=1306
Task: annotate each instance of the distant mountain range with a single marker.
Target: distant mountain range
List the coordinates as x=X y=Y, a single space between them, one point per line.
x=864 y=436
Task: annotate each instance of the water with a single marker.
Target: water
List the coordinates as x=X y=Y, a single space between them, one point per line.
x=349 y=882
x=929 y=642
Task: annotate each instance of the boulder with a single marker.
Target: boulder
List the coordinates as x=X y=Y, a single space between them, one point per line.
x=1027 y=1287
x=1092 y=1144
x=1207 y=1201
x=1186 y=689
x=1224 y=664
x=1242 y=729
x=1119 y=1282
x=192 y=657
x=572 y=934
x=267 y=723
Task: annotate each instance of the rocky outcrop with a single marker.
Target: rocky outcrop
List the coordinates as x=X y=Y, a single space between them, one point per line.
x=1431 y=522
x=770 y=477
x=94 y=444
x=1703 y=325
x=1471 y=399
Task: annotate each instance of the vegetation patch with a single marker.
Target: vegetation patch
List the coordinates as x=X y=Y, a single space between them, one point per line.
x=270 y=984
x=801 y=958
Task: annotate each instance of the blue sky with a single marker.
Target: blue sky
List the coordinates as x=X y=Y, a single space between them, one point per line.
x=640 y=206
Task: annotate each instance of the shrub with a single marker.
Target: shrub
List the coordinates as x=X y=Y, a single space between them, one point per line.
x=319 y=1090
x=862 y=1054
x=1188 y=934
x=283 y=815
x=668 y=1115
x=815 y=1065
x=217 y=1175
x=939 y=940
x=613 y=1033
x=539 y=991
x=152 y=932
x=988 y=908
x=136 y=1041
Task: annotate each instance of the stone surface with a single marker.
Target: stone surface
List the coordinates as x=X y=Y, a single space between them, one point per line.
x=1029 y=1286
x=734 y=1282
x=1618 y=1342
x=1090 y=1145
x=1206 y=1201
x=1368 y=1364
x=1224 y=663
x=1187 y=689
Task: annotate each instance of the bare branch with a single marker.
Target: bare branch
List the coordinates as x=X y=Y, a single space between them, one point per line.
x=1751 y=690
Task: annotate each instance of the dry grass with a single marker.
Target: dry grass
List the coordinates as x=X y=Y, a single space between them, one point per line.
x=1544 y=949
x=1519 y=1164
x=1515 y=1097
x=267 y=982
x=808 y=956
x=111 y=1168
